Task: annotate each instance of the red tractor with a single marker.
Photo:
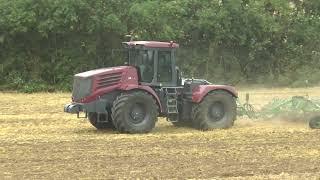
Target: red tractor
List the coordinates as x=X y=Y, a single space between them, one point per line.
x=130 y=98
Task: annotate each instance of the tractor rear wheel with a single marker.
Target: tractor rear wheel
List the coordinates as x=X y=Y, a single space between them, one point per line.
x=102 y=124
x=134 y=112
x=216 y=111
x=314 y=122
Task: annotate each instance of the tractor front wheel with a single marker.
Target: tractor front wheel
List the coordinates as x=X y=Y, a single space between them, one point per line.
x=102 y=124
x=134 y=112
x=216 y=111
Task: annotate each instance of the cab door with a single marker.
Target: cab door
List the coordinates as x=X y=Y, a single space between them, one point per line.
x=165 y=68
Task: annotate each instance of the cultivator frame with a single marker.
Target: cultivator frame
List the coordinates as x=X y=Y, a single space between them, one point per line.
x=299 y=106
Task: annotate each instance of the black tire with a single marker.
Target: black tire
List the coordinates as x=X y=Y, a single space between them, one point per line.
x=218 y=110
x=180 y=123
x=134 y=112
x=314 y=122
x=93 y=119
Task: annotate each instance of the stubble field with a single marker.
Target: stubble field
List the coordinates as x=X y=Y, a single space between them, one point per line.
x=39 y=141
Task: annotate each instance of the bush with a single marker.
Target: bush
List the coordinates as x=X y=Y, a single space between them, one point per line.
x=36 y=86
x=44 y=44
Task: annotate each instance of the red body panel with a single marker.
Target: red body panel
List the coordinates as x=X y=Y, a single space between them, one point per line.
x=199 y=92
x=96 y=72
x=129 y=81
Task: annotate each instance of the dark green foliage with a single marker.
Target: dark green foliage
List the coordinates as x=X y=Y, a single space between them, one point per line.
x=44 y=42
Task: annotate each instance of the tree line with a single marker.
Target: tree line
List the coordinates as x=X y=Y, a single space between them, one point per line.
x=44 y=42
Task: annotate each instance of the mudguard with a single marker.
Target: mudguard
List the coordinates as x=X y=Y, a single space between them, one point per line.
x=148 y=89
x=199 y=92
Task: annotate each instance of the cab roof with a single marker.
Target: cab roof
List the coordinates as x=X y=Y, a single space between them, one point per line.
x=152 y=44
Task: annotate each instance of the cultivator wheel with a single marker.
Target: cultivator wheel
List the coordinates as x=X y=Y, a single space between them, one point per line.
x=314 y=122
x=216 y=111
x=102 y=123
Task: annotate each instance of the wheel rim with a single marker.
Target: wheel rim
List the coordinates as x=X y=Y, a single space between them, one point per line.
x=138 y=113
x=216 y=111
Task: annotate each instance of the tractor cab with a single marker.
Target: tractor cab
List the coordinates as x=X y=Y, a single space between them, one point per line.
x=156 y=66
x=155 y=62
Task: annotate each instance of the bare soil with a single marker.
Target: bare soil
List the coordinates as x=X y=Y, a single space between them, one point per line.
x=39 y=141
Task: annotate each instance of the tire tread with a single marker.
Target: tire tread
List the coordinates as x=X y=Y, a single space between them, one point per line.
x=118 y=111
x=199 y=120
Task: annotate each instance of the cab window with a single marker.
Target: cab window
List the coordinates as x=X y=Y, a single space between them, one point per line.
x=143 y=60
x=164 y=66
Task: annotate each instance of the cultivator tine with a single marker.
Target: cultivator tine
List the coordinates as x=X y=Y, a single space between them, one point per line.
x=246 y=109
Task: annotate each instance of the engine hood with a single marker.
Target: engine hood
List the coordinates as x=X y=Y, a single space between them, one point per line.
x=101 y=71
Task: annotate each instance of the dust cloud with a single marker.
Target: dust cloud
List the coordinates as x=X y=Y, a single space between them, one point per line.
x=284 y=121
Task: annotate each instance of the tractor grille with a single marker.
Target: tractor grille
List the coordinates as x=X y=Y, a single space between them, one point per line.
x=107 y=80
x=81 y=88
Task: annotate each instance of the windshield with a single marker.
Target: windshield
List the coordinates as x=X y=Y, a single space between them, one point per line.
x=143 y=61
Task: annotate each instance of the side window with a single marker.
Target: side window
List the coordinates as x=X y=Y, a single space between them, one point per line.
x=164 y=66
x=146 y=66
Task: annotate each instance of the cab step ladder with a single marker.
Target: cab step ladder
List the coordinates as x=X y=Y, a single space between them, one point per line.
x=172 y=102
